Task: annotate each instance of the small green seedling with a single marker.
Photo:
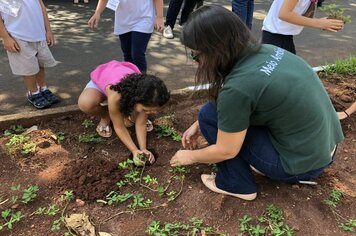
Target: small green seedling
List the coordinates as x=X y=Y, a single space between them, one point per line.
x=88 y=123
x=90 y=138
x=14 y=129
x=349 y=226
x=168 y=131
x=58 y=137
x=333 y=11
x=29 y=194
x=334 y=198
x=126 y=164
x=140 y=160
x=10 y=218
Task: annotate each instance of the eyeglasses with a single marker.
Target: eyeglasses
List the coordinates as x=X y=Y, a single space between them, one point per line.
x=194 y=56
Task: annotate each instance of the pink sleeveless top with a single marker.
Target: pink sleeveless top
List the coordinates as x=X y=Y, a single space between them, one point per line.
x=112 y=73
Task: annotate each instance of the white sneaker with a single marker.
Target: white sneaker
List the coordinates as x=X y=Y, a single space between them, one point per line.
x=167 y=32
x=76 y=1
x=86 y=1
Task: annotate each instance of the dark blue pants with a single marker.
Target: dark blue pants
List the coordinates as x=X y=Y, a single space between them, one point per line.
x=174 y=8
x=244 y=9
x=235 y=175
x=134 y=45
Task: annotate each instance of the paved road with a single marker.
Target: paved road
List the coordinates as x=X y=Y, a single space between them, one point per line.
x=80 y=49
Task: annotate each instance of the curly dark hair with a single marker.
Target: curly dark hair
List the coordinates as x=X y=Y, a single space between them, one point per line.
x=145 y=89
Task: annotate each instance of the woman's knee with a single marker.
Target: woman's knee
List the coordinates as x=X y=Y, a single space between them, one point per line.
x=207 y=112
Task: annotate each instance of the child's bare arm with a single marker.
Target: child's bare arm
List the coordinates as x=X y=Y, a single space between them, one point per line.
x=117 y=119
x=9 y=43
x=94 y=20
x=287 y=14
x=49 y=34
x=141 y=130
x=159 y=22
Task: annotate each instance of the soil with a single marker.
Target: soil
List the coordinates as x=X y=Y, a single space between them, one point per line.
x=91 y=171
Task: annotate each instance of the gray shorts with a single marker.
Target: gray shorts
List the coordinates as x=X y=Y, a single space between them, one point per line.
x=31 y=57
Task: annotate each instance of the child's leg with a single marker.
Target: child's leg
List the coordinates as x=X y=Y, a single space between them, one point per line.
x=138 y=49
x=126 y=42
x=89 y=102
x=173 y=11
x=283 y=41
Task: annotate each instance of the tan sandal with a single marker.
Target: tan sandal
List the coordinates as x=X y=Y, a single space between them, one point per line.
x=209 y=182
x=104 y=130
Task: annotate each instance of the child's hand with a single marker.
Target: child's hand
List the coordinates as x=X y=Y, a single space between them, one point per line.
x=159 y=24
x=94 y=21
x=11 y=45
x=149 y=155
x=50 y=38
x=332 y=25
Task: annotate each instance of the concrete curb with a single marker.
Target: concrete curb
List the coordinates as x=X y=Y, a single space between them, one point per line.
x=34 y=117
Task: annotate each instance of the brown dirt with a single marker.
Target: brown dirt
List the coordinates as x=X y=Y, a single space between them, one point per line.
x=91 y=171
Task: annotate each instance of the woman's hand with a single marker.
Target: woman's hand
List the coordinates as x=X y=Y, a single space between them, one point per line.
x=182 y=158
x=94 y=21
x=159 y=23
x=331 y=25
x=11 y=45
x=189 y=138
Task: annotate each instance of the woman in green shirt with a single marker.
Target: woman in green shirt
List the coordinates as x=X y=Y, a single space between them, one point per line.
x=268 y=109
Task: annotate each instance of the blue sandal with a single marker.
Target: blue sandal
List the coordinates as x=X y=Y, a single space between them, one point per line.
x=49 y=96
x=38 y=101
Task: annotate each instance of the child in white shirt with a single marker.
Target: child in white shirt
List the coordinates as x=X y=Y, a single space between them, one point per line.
x=26 y=43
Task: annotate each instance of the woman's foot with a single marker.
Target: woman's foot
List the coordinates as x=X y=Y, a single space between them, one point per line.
x=343 y=115
x=209 y=182
x=104 y=129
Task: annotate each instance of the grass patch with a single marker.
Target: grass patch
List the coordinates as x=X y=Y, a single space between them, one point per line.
x=342 y=67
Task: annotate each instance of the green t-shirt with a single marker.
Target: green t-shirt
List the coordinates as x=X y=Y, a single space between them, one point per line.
x=278 y=90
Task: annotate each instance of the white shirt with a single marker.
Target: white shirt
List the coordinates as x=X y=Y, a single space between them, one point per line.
x=273 y=24
x=29 y=24
x=135 y=15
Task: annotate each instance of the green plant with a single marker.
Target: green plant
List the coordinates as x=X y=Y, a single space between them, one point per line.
x=333 y=11
x=270 y=223
x=334 y=198
x=29 y=194
x=139 y=201
x=194 y=227
x=349 y=226
x=342 y=67
x=20 y=143
x=90 y=138
x=52 y=210
x=88 y=123
x=14 y=129
x=140 y=159
x=168 y=131
x=126 y=164
x=58 y=137
x=149 y=180
x=10 y=218
x=56 y=225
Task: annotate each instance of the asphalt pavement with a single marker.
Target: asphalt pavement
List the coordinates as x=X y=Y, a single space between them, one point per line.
x=80 y=49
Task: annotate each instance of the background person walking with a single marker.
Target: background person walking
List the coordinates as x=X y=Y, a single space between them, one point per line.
x=134 y=23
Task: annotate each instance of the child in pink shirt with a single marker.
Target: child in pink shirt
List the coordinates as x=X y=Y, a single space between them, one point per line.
x=131 y=97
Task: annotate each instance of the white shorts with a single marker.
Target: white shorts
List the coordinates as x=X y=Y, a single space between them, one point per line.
x=31 y=57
